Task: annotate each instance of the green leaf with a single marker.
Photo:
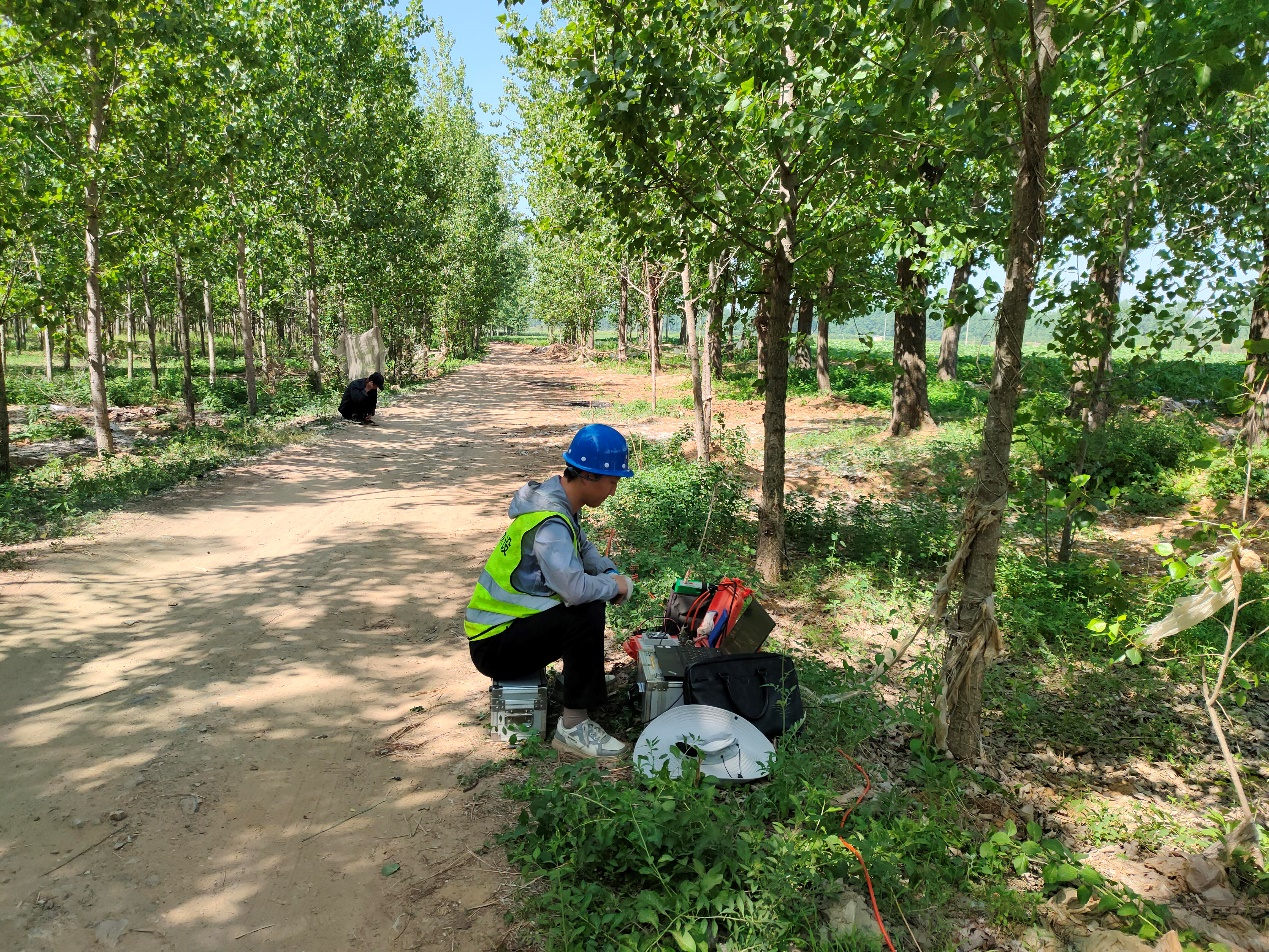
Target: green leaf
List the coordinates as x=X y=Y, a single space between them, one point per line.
x=1020 y=864
x=1164 y=548
x=684 y=941
x=1202 y=76
x=1133 y=656
x=390 y=868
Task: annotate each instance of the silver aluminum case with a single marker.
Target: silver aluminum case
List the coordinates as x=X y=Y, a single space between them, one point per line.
x=657 y=693
x=518 y=708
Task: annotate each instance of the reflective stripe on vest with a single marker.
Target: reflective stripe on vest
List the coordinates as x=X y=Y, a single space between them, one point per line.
x=496 y=602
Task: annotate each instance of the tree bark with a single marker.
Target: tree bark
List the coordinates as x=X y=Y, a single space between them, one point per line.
x=314 y=325
x=770 y=549
x=802 y=356
x=822 y=378
x=950 y=343
x=92 y=259
x=654 y=281
x=46 y=335
x=1090 y=376
x=761 y=319
x=973 y=635
x=182 y=320
x=714 y=332
x=5 y=465
x=910 y=400
x=211 y=332
x=623 y=312
x=1258 y=364
x=700 y=415
x=48 y=348
x=5 y=468
x=245 y=322
x=149 y=326
x=132 y=331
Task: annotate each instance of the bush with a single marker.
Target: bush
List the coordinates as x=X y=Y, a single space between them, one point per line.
x=919 y=532
x=1051 y=603
x=677 y=506
x=1228 y=476
x=42 y=425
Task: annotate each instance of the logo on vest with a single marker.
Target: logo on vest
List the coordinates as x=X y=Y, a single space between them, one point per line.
x=505 y=545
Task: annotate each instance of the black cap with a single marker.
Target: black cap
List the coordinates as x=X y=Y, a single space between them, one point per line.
x=377 y=379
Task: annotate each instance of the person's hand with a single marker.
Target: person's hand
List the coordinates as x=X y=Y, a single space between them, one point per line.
x=625 y=588
x=370 y=421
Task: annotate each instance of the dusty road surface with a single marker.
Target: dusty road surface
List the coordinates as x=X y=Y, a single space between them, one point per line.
x=192 y=698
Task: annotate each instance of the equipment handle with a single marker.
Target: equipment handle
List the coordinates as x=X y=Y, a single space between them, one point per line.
x=736 y=706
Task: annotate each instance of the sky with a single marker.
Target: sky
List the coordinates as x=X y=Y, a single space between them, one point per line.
x=473 y=24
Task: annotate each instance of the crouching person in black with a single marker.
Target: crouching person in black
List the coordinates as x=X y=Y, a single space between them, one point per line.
x=360 y=399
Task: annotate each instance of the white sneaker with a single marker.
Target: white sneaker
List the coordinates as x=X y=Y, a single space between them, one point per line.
x=587 y=739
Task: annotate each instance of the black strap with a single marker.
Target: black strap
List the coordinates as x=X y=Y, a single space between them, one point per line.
x=737 y=707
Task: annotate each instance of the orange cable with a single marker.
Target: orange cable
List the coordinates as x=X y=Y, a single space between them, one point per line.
x=862 y=865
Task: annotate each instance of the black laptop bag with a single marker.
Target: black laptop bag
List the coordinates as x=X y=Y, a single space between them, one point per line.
x=762 y=688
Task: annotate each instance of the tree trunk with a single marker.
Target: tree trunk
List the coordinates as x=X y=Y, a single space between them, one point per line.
x=211 y=333
x=1258 y=364
x=5 y=469
x=770 y=549
x=67 y=326
x=1090 y=376
x=821 y=340
x=92 y=261
x=654 y=280
x=149 y=325
x=314 y=325
x=714 y=331
x=910 y=400
x=973 y=635
x=132 y=331
x=700 y=416
x=802 y=355
x=46 y=335
x=245 y=322
x=623 y=312
x=950 y=344
x=48 y=349
x=761 y=318
x=182 y=320
x=5 y=466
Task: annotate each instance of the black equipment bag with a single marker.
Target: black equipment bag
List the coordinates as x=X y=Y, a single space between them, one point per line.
x=762 y=688
x=684 y=612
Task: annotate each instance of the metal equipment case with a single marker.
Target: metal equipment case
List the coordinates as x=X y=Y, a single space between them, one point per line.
x=656 y=694
x=518 y=708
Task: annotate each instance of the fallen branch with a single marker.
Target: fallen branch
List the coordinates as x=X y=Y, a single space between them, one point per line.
x=80 y=853
x=344 y=820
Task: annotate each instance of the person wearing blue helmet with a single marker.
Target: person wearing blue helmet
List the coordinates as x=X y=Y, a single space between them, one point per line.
x=543 y=593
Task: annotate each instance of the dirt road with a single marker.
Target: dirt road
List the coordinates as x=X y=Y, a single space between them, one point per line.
x=216 y=668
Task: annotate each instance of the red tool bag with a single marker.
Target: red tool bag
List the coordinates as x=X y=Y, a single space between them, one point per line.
x=727 y=605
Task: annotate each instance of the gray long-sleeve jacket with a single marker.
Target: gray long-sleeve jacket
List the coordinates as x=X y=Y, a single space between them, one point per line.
x=548 y=562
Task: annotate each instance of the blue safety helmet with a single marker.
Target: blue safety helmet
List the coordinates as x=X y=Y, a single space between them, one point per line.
x=598 y=448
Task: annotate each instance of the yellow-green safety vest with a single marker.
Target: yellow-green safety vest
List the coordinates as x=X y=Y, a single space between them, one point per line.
x=496 y=602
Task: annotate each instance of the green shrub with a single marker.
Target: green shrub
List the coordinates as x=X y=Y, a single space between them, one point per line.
x=677 y=505
x=42 y=425
x=1228 y=476
x=919 y=532
x=1043 y=602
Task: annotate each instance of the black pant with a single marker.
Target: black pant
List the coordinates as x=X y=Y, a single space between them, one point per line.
x=572 y=632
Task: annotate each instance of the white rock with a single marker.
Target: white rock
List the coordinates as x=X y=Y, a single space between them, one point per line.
x=109 y=931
